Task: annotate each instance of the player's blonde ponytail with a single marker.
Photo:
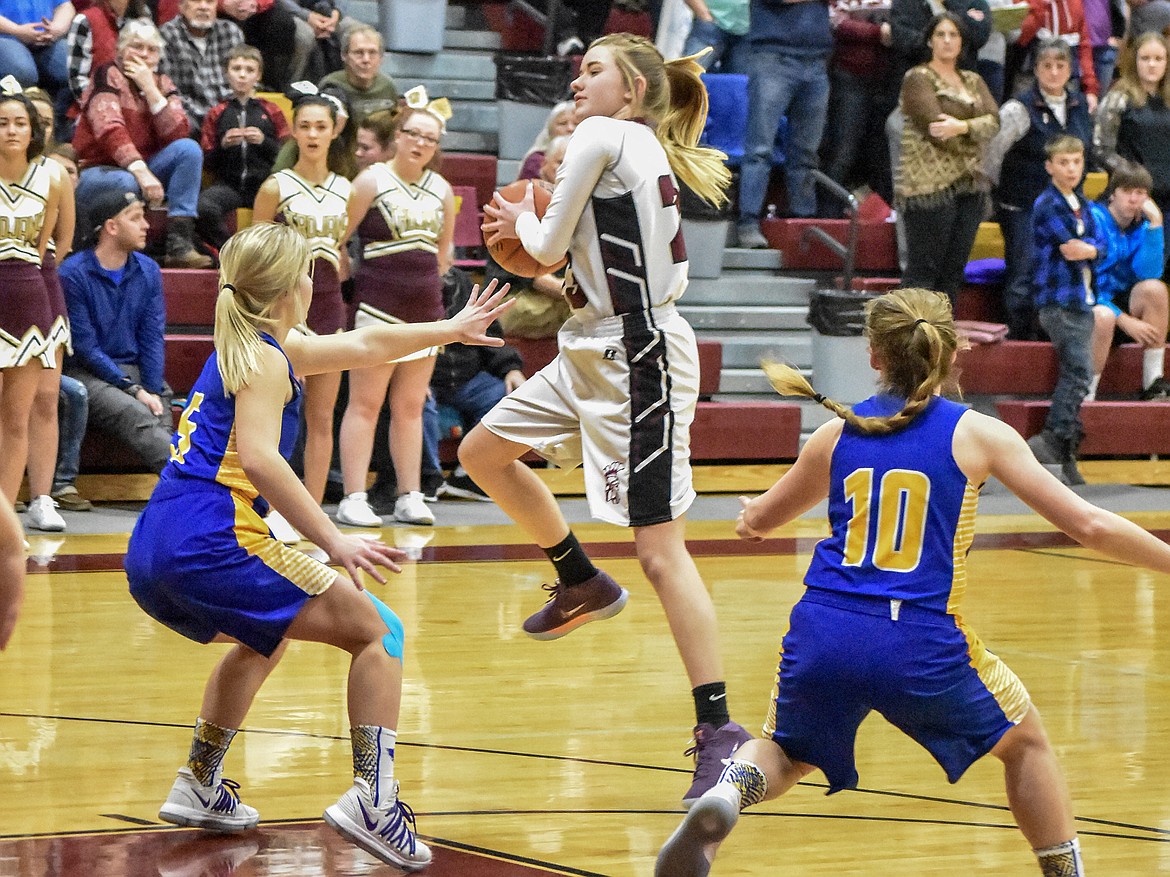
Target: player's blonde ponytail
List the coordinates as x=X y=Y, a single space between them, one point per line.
x=675 y=99
x=913 y=336
x=256 y=267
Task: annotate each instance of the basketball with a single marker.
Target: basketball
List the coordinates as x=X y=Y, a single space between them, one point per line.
x=510 y=254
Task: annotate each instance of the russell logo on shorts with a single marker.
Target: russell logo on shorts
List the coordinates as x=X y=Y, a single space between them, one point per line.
x=612 y=474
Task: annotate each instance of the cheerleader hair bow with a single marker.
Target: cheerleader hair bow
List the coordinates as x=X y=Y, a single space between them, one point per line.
x=440 y=108
x=304 y=88
x=9 y=87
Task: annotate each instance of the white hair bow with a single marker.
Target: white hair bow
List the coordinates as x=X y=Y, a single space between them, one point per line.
x=440 y=108
x=306 y=88
x=9 y=86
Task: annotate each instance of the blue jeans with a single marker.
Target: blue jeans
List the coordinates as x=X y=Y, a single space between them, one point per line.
x=48 y=65
x=1016 y=225
x=1104 y=63
x=730 y=51
x=178 y=166
x=796 y=86
x=1071 y=333
x=72 y=413
x=471 y=402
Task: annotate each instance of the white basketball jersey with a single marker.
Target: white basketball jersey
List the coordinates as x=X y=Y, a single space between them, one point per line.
x=317 y=212
x=22 y=214
x=413 y=212
x=615 y=210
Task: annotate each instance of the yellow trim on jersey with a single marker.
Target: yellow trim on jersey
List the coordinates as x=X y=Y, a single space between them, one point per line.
x=964 y=534
x=770 y=721
x=252 y=535
x=231 y=473
x=1004 y=685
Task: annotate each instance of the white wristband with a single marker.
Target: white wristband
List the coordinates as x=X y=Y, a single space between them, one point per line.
x=137 y=165
x=158 y=106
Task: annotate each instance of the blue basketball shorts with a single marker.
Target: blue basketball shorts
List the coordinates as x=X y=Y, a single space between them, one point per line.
x=926 y=673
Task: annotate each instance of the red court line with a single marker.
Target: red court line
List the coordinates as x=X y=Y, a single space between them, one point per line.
x=513 y=552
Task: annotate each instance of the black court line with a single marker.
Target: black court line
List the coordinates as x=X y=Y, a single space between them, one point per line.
x=539 y=756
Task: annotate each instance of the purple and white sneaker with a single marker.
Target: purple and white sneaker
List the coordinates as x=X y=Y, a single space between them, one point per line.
x=713 y=747
x=387 y=833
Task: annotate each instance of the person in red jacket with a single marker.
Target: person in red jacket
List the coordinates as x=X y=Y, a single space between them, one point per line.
x=133 y=136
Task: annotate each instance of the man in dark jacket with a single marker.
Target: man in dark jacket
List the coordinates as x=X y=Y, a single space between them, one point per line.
x=467 y=382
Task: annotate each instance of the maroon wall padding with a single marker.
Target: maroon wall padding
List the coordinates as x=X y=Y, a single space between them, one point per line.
x=1111 y=428
x=471 y=169
x=190 y=296
x=1030 y=368
x=745 y=431
x=186 y=355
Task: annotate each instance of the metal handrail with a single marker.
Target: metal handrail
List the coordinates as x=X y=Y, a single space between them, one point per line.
x=547 y=19
x=847 y=251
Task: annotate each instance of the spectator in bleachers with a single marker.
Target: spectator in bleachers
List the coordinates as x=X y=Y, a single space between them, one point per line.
x=321 y=29
x=470 y=381
x=195 y=52
x=855 y=131
x=541 y=307
x=1148 y=16
x=240 y=139
x=1107 y=22
x=93 y=39
x=364 y=88
x=560 y=123
x=270 y=28
x=1068 y=246
x=1016 y=158
x=722 y=25
x=43 y=104
x=116 y=309
x=790 y=46
x=404 y=213
x=73 y=399
x=29 y=214
x=33 y=47
x=1131 y=297
x=1048 y=19
x=1134 y=117
x=313 y=199
x=940 y=188
x=375 y=137
x=132 y=137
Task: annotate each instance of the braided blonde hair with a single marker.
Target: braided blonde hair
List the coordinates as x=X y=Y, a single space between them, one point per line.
x=256 y=267
x=913 y=335
x=676 y=100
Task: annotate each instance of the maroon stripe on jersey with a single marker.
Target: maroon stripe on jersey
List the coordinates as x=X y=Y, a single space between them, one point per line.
x=652 y=420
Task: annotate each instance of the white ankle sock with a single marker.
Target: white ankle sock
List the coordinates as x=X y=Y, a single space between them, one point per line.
x=1092 y=394
x=1152 y=367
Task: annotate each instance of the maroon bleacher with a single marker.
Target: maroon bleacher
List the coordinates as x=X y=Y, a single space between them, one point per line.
x=474 y=170
x=1030 y=368
x=877 y=249
x=1111 y=428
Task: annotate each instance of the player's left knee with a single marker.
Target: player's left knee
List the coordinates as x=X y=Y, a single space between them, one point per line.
x=395 y=638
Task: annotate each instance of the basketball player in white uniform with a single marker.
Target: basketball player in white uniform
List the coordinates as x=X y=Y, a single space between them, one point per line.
x=620 y=396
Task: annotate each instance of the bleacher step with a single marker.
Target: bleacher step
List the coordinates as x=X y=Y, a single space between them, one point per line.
x=473 y=116
x=749 y=288
x=444 y=65
x=482 y=40
x=749 y=317
x=366 y=11
x=453 y=89
x=745 y=350
x=470 y=141
x=738 y=257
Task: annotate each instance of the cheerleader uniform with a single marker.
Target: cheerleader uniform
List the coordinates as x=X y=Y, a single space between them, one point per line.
x=201 y=560
x=620 y=396
x=26 y=317
x=878 y=627
x=398 y=281
x=318 y=212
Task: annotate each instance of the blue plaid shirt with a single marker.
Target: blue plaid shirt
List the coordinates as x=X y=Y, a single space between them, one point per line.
x=1056 y=280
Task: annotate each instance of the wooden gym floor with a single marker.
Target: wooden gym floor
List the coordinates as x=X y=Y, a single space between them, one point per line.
x=525 y=758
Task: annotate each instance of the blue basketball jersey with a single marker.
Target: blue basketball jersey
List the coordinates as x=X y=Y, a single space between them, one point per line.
x=203 y=449
x=902 y=513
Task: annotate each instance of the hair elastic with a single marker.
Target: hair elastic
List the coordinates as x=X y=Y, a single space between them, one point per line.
x=229 y=287
x=818 y=398
x=920 y=321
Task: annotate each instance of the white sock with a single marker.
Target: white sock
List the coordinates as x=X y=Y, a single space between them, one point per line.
x=1092 y=394
x=1062 y=860
x=1152 y=365
x=373 y=760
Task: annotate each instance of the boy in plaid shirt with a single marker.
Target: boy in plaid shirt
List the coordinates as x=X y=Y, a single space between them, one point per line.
x=1068 y=245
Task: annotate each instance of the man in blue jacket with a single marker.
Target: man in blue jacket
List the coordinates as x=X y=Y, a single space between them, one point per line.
x=1131 y=296
x=115 y=299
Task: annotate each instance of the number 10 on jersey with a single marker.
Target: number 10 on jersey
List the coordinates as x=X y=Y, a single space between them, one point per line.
x=901 y=500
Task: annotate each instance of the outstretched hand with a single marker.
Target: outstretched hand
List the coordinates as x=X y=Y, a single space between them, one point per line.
x=482 y=309
x=357 y=553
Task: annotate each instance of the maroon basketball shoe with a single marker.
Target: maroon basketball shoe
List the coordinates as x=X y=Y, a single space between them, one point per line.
x=570 y=606
x=713 y=746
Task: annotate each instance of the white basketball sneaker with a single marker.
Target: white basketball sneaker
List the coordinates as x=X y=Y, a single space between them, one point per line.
x=387 y=833
x=216 y=807
x=355 y=510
